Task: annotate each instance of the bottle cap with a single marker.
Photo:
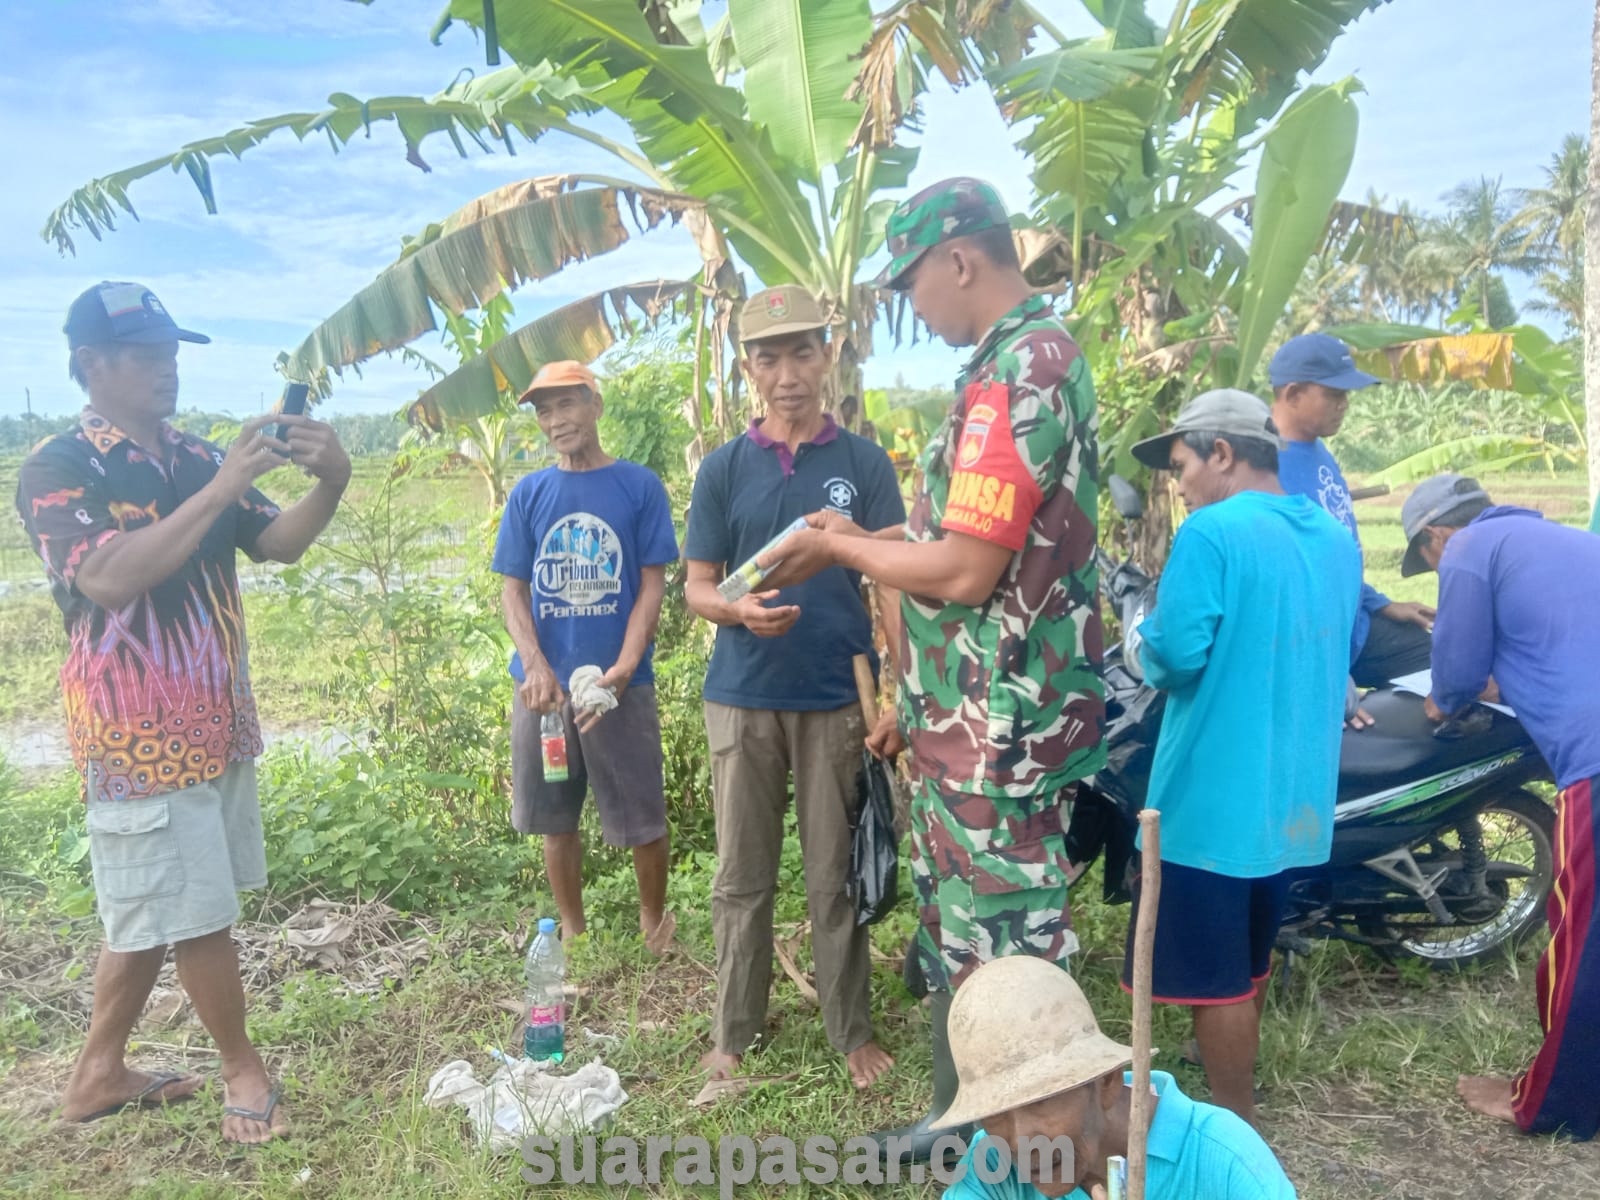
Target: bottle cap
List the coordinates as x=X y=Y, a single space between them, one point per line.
x=547 y=924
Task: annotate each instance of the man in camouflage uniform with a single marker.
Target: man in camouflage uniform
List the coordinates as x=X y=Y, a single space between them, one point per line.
x=1000 y=696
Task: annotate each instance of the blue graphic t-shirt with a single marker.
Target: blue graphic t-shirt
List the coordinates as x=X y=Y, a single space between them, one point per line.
x=1309 y=469
x=581 y=538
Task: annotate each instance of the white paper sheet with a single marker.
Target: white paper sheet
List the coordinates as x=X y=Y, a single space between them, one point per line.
x=1420 y=683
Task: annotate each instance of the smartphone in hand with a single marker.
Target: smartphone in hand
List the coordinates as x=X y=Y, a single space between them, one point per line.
x=292 y=404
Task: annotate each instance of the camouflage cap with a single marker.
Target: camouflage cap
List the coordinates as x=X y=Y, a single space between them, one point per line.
x=778 y=312
x=949 y=209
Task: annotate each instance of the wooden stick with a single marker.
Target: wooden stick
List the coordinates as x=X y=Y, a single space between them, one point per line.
x=867 y=689
x=791 y=968
x=1144 y=936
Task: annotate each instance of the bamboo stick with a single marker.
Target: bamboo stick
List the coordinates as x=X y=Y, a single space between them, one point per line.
x=867 y=688
x=1144 y=932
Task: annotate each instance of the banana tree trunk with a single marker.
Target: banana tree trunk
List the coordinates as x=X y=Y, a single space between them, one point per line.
x=1591 y=275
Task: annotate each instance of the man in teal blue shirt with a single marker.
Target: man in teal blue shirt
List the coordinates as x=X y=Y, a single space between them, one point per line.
x=1250 y=638
x=1050 y=1091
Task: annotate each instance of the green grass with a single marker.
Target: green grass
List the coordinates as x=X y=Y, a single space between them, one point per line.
x=1359 y=1056
x=1560 y=497
x=1358 y=1061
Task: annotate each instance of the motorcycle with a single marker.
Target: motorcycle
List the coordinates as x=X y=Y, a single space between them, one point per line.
x=1440 y=851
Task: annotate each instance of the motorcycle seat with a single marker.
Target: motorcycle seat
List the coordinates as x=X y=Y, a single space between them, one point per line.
x=1400 y=747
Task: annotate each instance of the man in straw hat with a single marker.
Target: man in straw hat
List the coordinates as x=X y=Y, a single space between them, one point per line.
x=1250 y=637
x=1053 y=1099
x=780 y=691
x=1000 y=696
x=1515 y=607
x=584 y=547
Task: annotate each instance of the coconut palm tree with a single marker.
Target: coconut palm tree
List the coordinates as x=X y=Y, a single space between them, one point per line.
x=1473 y=244
x=1551 y=217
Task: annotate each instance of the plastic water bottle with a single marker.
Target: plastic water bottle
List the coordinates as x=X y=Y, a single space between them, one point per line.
x=544 y=1039
x=553 y=747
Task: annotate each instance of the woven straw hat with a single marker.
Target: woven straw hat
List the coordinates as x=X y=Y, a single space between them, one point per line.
x=1021 y=1030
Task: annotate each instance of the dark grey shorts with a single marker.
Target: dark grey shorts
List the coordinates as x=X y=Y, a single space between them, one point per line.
x=620 y=758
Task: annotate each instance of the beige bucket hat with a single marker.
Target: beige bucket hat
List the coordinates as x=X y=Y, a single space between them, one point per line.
x=1021 y=1030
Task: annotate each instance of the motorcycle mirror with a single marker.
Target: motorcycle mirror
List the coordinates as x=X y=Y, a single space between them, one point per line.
x=1125 y=498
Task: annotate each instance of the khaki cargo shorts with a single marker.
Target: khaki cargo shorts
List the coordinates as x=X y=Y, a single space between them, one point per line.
x=169 y=868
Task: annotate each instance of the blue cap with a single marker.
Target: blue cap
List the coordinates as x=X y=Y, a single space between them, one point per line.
x=547 y=924
x=122 y=312
x=1318 y=358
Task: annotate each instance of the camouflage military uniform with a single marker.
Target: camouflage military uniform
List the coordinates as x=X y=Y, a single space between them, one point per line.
x=1002 y=704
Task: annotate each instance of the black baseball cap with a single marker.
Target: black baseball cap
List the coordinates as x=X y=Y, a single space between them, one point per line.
x=122 y=313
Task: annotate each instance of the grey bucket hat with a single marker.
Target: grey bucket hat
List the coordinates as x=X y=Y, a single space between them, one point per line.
x=1431 y=500
x=1225 y=410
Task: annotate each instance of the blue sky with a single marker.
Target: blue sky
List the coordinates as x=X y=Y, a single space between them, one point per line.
x=1455 y=89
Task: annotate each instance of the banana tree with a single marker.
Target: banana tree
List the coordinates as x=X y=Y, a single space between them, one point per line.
x=771 y=133
x=1135 y=134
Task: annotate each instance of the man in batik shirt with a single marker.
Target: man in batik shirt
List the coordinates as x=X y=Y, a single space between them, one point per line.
x=138 y=526
x=1000 y=696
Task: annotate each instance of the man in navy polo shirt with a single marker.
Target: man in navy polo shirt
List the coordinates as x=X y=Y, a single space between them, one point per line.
x=780 y=694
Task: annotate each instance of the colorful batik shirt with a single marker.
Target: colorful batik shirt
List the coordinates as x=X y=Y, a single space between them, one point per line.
x=1005 y=698
x=157 y=694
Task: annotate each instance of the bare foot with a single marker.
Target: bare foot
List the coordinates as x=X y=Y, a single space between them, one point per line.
x=252 y=1090
x=867 y=1061
x=659 y=940
x=1488 y=1095
x=93 y=1092
x=719 y=1064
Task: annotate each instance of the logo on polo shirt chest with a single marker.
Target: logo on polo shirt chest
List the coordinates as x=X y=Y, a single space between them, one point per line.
x=841 y=494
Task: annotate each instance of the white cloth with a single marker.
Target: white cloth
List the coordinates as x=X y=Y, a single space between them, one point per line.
x=587 y=694
x=522 y=1098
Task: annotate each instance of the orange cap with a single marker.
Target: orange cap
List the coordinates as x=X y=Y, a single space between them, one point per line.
x=566 y=373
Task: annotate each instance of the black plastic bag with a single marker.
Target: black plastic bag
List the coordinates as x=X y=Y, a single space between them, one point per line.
x=874 y=882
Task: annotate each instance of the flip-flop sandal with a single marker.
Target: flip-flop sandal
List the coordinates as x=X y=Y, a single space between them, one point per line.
x=264 y=1116
x=145 y=1097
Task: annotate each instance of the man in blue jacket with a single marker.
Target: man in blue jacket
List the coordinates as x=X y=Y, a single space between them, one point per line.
x=1515 y=605
x=1312 y=377
x=1251 y=639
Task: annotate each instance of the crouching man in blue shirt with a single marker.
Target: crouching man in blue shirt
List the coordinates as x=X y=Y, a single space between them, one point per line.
x=1053 y=1099
x=1516 y=605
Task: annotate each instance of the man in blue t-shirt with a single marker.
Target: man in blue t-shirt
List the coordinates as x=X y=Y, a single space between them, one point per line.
x=1516 y=605
x=583 y=547
x=1312 y=377
x=1250 y=637
x=1054 y=1102
x=780 y=693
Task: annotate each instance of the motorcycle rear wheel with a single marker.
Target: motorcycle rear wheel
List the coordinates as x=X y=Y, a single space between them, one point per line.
x=1519 y=842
